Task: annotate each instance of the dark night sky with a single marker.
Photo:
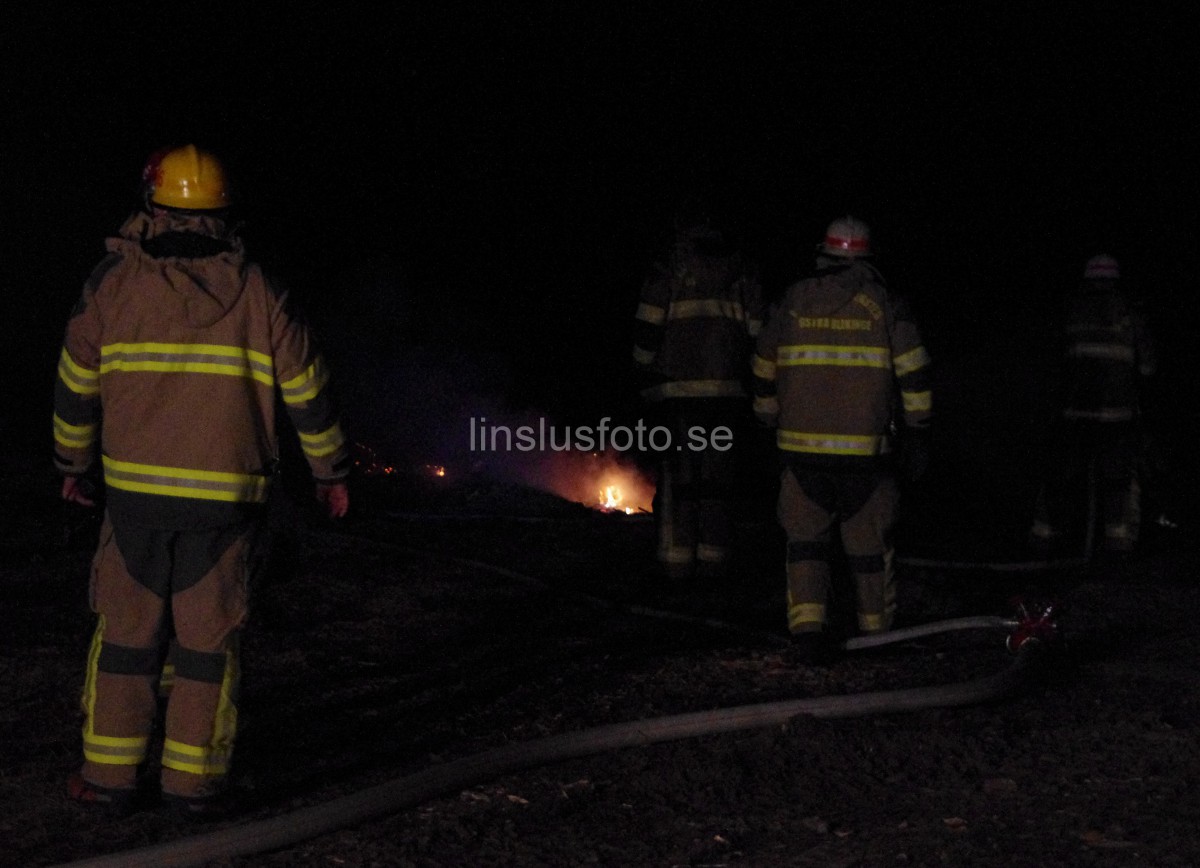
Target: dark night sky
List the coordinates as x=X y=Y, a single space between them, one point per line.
x=487 y=182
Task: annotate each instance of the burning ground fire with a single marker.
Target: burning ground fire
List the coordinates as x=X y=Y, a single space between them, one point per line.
x=599 y=480
x=595 y=479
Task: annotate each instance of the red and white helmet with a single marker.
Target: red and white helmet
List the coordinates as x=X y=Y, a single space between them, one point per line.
x=847 y=237
x=1102 y=267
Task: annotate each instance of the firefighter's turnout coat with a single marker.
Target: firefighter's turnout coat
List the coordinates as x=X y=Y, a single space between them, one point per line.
x=173 y=362
x=694 y=332
x=1107 y=354
x=838 y=364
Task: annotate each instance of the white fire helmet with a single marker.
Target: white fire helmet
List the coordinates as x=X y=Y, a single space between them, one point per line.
x=847 y=237
x=1102 y=267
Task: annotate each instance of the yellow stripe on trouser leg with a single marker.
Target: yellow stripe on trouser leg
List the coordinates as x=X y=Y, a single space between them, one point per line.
x=712 y=554
x=194 y=759
x=114 y=751
x=87 y=700
x=201 y=721
x=118 y=698
x=105 y=749
x=805 y=617
x=210 y=760
x=867 y=538
x=807 y=525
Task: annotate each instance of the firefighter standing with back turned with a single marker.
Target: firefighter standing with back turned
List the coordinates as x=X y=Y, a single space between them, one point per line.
x=693 y=333
x=170 y=368
x=833 y=360
x=1107 y=354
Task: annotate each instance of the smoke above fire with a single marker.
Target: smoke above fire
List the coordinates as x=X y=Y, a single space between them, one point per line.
x=604 y=480
x=415 y=416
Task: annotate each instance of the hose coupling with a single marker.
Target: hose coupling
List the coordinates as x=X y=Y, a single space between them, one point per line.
x=1035 y=623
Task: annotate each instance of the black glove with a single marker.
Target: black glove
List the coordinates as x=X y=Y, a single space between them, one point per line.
x=914 y=453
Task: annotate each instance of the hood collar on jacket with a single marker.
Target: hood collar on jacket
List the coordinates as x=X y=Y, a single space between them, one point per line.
x=209 y=285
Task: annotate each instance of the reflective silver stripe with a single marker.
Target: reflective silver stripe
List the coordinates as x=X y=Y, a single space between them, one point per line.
x=643 y=357
x=1097 y=350
x=672 y=554
x=73 y=436
x=322 y=443
x=763 y=368
x=111 y=750
x=650 y=313
x=819 y=354
x=870 y=622
x=754 y=326
x=193 y=759
x=1103 y=414
x=916 y=402
x=188 y=359
x=805 y=615
x=830 y=444
x=715 y=307
x=181 y=482
x=695 y=389
x=80 y=380
x=913 y=360
x=306 y=385
x=710 y=554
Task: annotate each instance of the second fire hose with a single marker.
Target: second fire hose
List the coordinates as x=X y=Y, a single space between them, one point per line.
x=1030 y=635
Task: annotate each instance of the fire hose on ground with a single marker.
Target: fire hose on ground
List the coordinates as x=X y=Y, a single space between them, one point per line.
x=1032 y=632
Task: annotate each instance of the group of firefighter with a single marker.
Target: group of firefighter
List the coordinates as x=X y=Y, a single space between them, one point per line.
x=181 y=348
x=838 y=369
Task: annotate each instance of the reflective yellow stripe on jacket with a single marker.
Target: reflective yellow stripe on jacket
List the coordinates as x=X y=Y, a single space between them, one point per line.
x=73 y=436
x=188 y=359
x=1112 y=352
x=913 y=360
x=307 y=384
x=830 y=444
x=80 y=380
x=322 y=443
x=833 y=354
x=182 y=482
x=695 y=389
x=715 y=307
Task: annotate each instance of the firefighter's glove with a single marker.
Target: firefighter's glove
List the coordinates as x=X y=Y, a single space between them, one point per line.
x=914 y=454
x=335 y=496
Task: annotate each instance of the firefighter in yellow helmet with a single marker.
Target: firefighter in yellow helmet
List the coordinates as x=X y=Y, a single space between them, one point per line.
x=169 y=373
x=1107 y=354
x=839 y=360
x=693 y=333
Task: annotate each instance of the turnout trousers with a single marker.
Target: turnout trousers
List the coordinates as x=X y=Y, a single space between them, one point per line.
x=862 y=505
x=152 y=590
x=692 y=500
x=1092 y=460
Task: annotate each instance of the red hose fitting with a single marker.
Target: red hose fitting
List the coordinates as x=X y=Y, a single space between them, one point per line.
x=1034 y=624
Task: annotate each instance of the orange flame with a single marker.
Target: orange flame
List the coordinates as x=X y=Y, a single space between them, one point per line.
x=611 y=498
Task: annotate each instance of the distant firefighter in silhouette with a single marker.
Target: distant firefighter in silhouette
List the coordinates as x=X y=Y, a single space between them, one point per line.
x=694 y=330
x=173 y=361
x=1107 y=354
x=838 y=361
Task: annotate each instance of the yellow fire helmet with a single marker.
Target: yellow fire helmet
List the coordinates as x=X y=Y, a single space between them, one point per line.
x=186 y=177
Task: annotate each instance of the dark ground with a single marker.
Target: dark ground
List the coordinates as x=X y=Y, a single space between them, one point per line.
x=385 y=645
